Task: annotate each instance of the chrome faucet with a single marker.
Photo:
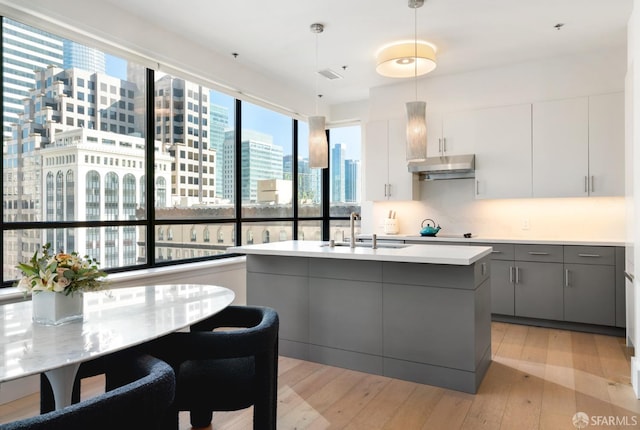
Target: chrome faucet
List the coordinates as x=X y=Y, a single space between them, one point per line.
x=352 y=218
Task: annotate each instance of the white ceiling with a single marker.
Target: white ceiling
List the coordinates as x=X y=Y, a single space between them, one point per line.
x=273 y=37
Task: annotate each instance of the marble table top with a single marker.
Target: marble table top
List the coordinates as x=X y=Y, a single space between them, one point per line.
x=113 y=320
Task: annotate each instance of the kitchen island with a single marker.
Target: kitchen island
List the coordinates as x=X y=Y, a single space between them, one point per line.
x=419 y=312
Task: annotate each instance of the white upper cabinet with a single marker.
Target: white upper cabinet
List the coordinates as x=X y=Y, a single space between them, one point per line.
x=451 y=133
x=606 y=145
x=578 y=147
x=387 y=176
x=561 y=148
x=503 y=152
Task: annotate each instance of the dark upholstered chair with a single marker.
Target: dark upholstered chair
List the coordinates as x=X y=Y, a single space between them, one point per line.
x=109 y=365
x=228 y=369
x=139 y=404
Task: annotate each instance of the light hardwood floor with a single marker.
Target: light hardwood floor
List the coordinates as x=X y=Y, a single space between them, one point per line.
x=539 y=379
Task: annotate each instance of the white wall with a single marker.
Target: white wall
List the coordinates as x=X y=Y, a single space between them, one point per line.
x=633 y=207
x=452 y=203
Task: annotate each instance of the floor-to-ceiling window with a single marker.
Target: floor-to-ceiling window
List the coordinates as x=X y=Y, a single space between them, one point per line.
x=135 y=167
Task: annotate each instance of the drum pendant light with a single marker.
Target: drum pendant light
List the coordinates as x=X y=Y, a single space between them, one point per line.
x=318 y=145
x=416 y=110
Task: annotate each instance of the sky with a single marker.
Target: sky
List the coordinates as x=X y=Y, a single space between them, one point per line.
x=263 y=120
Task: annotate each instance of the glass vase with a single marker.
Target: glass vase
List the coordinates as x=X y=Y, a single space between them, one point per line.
x=51 y=308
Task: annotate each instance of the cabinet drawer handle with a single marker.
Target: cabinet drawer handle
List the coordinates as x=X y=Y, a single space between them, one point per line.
x=566 y=278
x=538 y=253
x=496 y=252
x=589 y=255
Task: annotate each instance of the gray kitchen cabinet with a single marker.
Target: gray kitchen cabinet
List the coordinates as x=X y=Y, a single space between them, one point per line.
x=538 y=281
x=589 y=294
x=502 y=287
x=589 y=285
x=502 y=278
x=621 y=306
x=538 y=290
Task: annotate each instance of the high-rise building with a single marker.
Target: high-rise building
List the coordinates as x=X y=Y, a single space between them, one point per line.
x=338 y=155
x=352 y=181
x=309 y=180
x=78 y=56
x=182 y=125
x=261 y=159
x=81 y=159
x=25 y=50
x=218 y=124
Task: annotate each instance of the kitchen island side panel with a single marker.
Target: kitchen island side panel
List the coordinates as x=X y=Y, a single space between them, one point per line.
x=424 y=326
x=283 y=284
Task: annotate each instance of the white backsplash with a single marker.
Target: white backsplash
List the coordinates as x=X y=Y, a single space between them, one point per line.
x=452 y=204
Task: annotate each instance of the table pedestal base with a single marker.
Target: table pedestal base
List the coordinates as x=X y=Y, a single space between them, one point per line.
x=61 y=380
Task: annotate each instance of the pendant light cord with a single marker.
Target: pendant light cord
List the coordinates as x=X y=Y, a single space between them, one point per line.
x=415 y=49
x=316 y=75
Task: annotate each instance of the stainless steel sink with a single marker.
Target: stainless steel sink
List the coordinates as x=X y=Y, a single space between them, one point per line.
x=367 y=245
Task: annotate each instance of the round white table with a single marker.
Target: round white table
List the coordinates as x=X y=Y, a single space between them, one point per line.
x=113 y=320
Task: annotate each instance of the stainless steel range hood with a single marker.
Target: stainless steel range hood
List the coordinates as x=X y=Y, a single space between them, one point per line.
x=446 y=167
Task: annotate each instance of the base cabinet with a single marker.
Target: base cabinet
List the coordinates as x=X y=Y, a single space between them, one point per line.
x=502 y=288
x=589 y=294
x=581 y=284
x=538 y=290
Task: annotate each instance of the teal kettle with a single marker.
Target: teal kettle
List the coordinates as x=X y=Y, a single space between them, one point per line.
x=429 y=230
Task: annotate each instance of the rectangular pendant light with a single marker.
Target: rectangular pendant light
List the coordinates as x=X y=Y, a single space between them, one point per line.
x=416 y=130
x=318 y=145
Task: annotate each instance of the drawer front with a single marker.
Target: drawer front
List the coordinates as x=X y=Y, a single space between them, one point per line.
x=501 y=251
x=546 y=253
x=590 y=255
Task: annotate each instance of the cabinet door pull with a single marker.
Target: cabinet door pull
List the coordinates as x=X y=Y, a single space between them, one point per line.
x=517 y=274
x=511 y=274
x=389 y=190
x=629 y=276
x=592 y=187
x=477 y=187
x=538 y=253
x=444 y=145
x=589 y=255
x=586 y=184
x=566 y=278
x=483 y=267
x=440 y=145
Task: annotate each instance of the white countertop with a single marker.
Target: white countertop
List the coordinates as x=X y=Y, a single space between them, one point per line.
x=482 y=240
x=440 y=254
